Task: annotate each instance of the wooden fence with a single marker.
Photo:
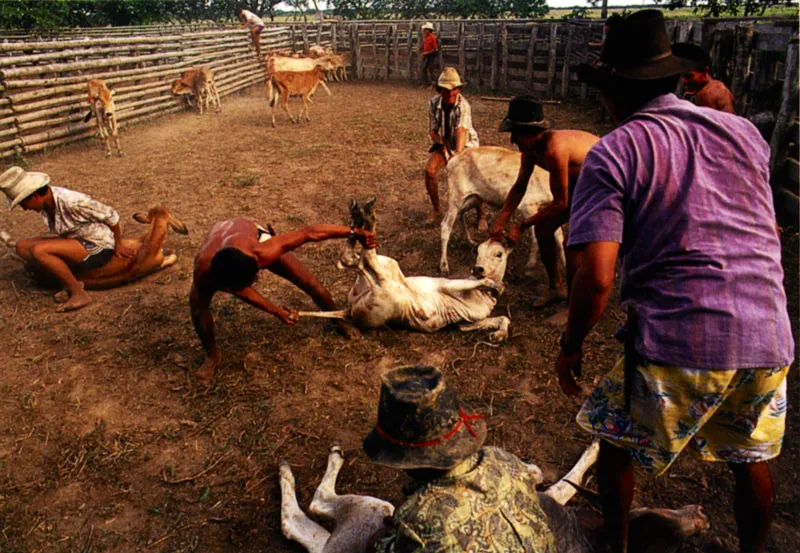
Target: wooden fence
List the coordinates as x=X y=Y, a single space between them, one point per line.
x=43 y=82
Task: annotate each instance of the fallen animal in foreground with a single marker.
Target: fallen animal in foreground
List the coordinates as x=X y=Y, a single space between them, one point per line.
x=198 y=83
x=360 y=519
x=148 y=259
x=486 y=174
x=383 y=295
x=101 y=106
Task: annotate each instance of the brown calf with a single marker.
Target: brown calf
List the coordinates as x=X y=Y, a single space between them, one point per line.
x=299 y=83
x=101 y=103
x=199 y=83
x=149 y=256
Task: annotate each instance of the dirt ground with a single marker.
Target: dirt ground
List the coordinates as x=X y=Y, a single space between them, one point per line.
x=106 y=442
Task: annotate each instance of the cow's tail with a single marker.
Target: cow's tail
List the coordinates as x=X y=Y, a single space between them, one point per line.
x=271 y=95
x=87 y=117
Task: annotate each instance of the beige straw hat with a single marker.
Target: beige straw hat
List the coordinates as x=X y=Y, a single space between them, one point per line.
x=428 y=26
x=450 y=79
x=18 y=184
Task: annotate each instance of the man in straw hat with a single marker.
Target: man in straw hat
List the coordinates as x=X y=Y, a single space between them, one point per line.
x=460 y=492
x=450 y=129
x=429 y=49
x=561 y=152
x=683 y=193
x=699 y=88
x=88 y=232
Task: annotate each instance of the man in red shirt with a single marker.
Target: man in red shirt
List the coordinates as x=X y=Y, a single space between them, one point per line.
x=430 y=47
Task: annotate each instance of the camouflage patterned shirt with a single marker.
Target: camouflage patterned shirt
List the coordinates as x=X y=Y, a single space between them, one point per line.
x=487 y=504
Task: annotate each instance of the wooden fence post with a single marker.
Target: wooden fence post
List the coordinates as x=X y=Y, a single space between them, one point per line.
x=439 y=53
x=462 y=63
x=495 y=74
x=333 y=36
x=479 y=53
x=387 y=52
x=565 y=67
x=375 y=51
x=504 y=70
x=743 y=41
x=551 y=61
x=305 y=38
x=396 y=48
x=779 y=142
x=319 y=34
x=531 y=57
x=293 y=39
x=412 y=74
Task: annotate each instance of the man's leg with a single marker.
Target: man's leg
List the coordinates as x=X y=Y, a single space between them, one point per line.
x=752 y=504
x=289 y=267
x=615 y=483
x=53 y=257
x=435 y=162
x=200 y=305
x=256 y=34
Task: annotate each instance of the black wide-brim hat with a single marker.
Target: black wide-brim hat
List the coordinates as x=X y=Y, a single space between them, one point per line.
x=421 y=422
x=524 y=112
x=636 y=48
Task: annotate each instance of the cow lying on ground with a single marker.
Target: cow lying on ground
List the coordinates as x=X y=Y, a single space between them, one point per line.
x=300 y=83
x=486 y=174
x=148 y=257
x=360 y=519
x=198 y=83
x=383 y=295
x=281 y=64
x=101 y=106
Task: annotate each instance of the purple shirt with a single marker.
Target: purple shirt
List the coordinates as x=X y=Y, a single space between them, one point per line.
x=685 y=190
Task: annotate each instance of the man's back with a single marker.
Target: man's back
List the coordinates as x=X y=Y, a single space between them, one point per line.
x=686 y=192
x=715 y=95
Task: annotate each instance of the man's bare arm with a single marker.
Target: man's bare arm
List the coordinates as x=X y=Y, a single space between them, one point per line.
x=461 y=140
x=272 y=249
x=559 y=188
x=251 y=296
x=515 y=195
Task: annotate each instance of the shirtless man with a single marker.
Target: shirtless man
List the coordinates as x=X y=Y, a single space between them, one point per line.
x=559 y=152
x=699 y=87
x=229 y=261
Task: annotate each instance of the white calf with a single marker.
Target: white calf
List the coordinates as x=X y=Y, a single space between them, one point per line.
x=383 y=295
x=359 y=519
x=486 y=174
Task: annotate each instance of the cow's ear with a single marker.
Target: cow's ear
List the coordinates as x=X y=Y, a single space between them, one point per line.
x=141 y=218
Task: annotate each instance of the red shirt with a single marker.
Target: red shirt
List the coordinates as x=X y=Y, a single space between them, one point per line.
x=429 y=44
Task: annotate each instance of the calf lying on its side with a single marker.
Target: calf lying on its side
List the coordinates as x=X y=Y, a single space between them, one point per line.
x=486 y=174
x=383 y=295
x=101 y=106
x=360 y=519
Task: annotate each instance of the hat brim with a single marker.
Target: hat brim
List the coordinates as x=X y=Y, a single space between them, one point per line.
x=509 y=125
x=603 y=77
x=29 y=184
x=451 y=87
x=442 y=456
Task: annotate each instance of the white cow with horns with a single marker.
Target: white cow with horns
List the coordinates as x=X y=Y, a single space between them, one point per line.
x=383 y=295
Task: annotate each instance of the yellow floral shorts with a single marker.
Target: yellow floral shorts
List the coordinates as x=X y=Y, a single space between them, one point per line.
x=736 y=416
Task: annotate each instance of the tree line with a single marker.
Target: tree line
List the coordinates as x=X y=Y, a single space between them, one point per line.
x=40 y=15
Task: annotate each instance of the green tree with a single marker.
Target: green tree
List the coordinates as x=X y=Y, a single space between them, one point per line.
x=718 y=8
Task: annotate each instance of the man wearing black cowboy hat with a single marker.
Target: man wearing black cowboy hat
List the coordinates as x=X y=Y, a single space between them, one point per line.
x=683 y=194
x=559 y=152
x=461 y=493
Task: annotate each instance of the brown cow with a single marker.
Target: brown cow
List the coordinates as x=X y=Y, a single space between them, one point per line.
x=101 y=102
x=299 y=83
x=198 y=83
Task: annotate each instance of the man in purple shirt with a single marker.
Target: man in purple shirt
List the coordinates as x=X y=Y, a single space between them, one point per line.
x=681 y=193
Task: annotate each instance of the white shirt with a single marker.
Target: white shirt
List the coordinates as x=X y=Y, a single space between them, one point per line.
x=78 y=216
x=252 y=19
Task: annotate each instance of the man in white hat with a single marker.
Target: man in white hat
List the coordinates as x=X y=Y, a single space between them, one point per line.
x=430 y=47
x=450 y=129
x=88 y=233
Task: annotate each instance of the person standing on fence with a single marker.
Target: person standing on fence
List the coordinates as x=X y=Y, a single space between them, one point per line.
x=256 y=25
x=561 y=153
x=699 y=87
x=450 y=129
x=682 y=193
x=430 y=49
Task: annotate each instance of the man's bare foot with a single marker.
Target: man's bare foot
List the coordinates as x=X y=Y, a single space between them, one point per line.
x=348 y=330
x=205 y=374
x=61 y=296
x=75 y=302
x=553 y=295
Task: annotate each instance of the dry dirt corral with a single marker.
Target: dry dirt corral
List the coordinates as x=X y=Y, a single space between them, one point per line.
x=108 y=445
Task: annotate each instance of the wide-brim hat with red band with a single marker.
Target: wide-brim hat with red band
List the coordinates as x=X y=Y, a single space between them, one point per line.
x=422 y=423
x=636 y=48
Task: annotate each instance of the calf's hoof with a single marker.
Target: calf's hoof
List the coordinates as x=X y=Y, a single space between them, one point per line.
x=337 y=448
x=498 y=336
x=444 y=268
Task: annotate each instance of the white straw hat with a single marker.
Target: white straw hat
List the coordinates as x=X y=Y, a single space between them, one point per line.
x=428 y=26
x=18 y=184
x=450 y=79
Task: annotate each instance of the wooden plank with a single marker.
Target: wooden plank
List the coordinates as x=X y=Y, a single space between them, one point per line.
x=743 y=41
x=495 y=73
x=531 y=56
x=504 y=70
x=387 y=52
x=305 y=39
x=566 y=66
x=551 y=61
x=480 y=55
x=440 y=54
x=462 y=64
x=414 y=75
x=779 y=142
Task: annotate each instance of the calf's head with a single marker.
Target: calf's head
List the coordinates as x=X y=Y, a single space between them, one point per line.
x=492 y=260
